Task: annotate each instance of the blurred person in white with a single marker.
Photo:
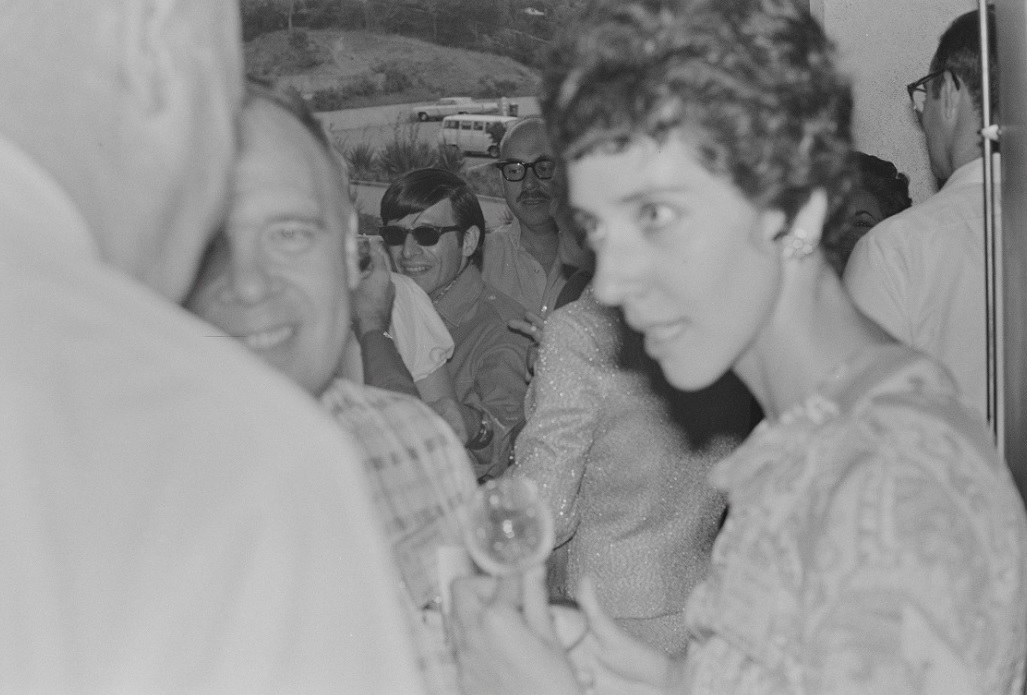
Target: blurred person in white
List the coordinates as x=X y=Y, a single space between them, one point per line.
x=875 y=541
x=920 y=273
x=174 y=516
x=279 y=278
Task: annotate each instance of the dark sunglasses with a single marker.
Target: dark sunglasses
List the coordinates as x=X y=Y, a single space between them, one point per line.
x=516 y=170
x=424 y=234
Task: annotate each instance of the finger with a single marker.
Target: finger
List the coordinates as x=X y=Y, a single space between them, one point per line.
x=534 y=319
x=536 y=604
x=525 y=328
x=470 y=597
x=599 y=622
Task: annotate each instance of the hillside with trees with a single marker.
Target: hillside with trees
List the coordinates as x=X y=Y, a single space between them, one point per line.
x=335 y=69
x=518 y=29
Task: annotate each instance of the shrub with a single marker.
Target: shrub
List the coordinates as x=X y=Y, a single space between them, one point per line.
x=450 y=158
x=362 y=161
x=489 y=88
x=363 y=86
x=367 y=223
x=484 y=180
x=405 y=152
x=396 y=78
x=303 y=54
x=331 y=99
x=262 y=17
x=335 y=98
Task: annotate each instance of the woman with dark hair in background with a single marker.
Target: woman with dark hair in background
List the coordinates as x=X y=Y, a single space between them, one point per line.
x=882 y=191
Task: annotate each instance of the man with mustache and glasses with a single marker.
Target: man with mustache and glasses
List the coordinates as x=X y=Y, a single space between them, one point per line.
x=531 y=257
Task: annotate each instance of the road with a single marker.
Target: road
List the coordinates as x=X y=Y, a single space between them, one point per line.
x=377 y=125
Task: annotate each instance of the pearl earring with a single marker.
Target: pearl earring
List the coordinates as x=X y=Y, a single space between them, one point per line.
x=796 y=244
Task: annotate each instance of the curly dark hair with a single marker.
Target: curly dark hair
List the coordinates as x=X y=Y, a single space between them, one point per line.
x=889 y=187
x=882 y=179
x=756 y=79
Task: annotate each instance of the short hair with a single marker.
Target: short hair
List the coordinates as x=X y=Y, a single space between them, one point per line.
x=959 y=52
x=517 y=125
x=418 y=190
x=290 y=101
x=755 y=79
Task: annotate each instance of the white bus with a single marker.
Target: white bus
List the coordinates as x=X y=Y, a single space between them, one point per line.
x=474 y=133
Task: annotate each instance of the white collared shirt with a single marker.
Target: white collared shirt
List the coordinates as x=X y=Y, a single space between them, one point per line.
x=174 y=516
x=515 y=272
x=920 y=275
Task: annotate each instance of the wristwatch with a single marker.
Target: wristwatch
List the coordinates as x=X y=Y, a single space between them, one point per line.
x=483 y=437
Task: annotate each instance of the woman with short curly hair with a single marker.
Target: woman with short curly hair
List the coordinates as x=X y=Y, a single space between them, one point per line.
x=875 y=542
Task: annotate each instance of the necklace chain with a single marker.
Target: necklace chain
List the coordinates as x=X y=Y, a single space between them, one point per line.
x=446 y=288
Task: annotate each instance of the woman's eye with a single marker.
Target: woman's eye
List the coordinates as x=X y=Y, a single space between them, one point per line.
x=292 y=237
x=654 y=216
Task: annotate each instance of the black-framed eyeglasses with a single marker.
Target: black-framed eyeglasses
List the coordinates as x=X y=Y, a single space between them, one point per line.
x=515 y=169
x=918 y=90
x=424 y=234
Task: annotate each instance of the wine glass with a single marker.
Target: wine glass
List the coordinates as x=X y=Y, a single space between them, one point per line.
x=508 y=526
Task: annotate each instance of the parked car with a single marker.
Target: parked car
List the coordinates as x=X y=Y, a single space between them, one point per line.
x=448 y=106
x=474 y=133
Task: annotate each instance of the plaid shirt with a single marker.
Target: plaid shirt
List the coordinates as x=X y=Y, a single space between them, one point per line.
x=419 y=476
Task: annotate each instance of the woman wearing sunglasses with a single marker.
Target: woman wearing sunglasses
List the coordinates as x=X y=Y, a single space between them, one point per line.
x=875 y=542
x=432 y=228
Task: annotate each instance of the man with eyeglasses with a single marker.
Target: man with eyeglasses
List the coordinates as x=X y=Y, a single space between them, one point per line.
x=432 y=227
x=531 y=258
x=920 y=273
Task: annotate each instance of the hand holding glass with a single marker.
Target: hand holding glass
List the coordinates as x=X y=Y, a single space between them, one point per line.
x=508 y=527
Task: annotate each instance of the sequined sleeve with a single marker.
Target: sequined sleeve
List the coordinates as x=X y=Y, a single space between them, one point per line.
x=562 y=406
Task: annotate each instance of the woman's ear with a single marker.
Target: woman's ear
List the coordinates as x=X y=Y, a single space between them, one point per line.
x=803 y=235
x=471 y=241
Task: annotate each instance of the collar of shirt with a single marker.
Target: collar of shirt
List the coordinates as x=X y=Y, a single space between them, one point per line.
x=462 y=297
x=39 y=215
x=972 y=173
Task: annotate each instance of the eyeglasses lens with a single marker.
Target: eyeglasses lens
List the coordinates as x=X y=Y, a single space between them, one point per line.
x=424 y=235
x=516 y=171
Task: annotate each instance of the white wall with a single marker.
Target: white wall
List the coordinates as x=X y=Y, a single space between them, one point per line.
x=884 y=45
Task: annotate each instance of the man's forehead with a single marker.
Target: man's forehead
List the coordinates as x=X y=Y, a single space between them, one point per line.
x=529 y=137
x=278 y=151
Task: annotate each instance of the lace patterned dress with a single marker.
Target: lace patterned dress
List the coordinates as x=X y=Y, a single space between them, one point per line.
x=875 y=544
